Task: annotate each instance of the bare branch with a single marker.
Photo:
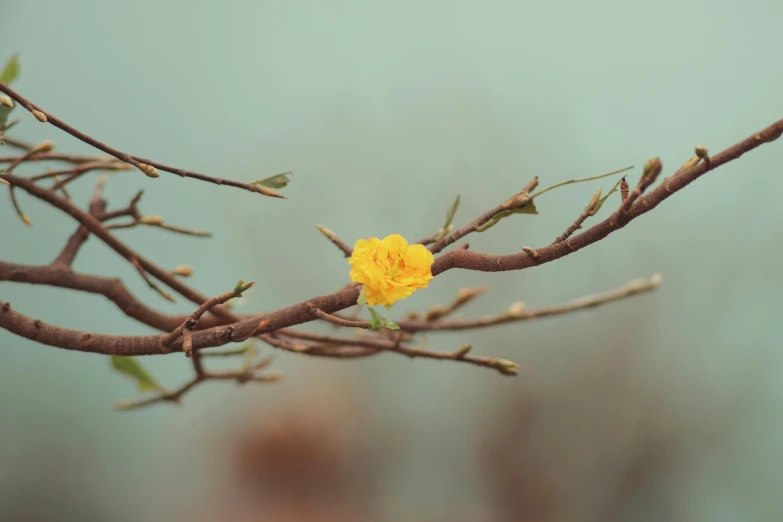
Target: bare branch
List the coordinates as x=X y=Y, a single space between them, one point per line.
x=339 y=321
x=516 y=202
x=331 y=236
x=375 y=346
x=513 y=315
x=190 y=324
x=468 y=260
x=225 y=327
x=147 y=166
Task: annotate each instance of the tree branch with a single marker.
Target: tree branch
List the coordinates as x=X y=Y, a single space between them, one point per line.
x=346 y=297
x=515 y=202
x=339 y=243
x=147 y=166
x=468 y=260
x=630 y=289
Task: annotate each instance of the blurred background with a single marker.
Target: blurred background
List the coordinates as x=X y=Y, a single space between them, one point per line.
x=663 y=407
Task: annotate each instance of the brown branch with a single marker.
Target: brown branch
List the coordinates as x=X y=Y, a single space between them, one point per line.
x=240 y=376
x=164 y=226
x=651 y=171
x=113 y=289
x=79 y=237
x=96 y=228
x=429 y=239
x=468 y=260
x=576 y=225
x=78 y=171
x=131 y=210
x=152 y=284
x=331 y=236
x=375 y=346
x=43 y=147
x=590 y=209
x=630 y=289
x=464 y=296
x=516 y=202
x=52 y=156
x=347 y=296
x=80 y=168
x=339 y=321
x=190 y=324
x=147 y=166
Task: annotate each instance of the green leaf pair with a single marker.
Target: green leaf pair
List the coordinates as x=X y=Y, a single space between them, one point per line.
x=528 y=208
x=378 y=321
x=277 y=181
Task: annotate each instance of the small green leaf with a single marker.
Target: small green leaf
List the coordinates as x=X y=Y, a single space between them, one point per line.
x=277 y=181
x=601 y=201
x=362 y=300
x=449 y=218
x=132 y=368
x=452 y=212
x=238 y=288
x=378 y=321
x=375 y=321
x=11 y=71
x=527 y=208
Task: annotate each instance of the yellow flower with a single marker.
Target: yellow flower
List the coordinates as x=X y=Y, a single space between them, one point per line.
x=391 y=269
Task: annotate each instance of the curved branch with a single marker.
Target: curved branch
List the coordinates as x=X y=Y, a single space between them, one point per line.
x=347 y=296
x=145 y=165
x=500 y=263
x=583 y=303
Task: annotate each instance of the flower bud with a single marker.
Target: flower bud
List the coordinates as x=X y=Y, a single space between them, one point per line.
x=44 y=146
x=652 y=168
x=507 y=367
x=183 y=270
x=40 y=116
x=149 y=170
x=463 y=351
x=151 y=220
x=516 y=309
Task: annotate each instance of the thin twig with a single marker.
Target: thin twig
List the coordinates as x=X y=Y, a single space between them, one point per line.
x=191 y=322
x=516 y=202
x=152 y=284
x=145 y=165
x=339 y=243
x=320 y=314
x=347 y=296
x=635 y=287
x=375 y=346
x=464 y=296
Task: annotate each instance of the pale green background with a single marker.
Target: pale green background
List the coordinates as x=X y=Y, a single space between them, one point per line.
x=386 y=111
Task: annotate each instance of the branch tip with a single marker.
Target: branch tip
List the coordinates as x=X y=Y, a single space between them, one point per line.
x=507 y=367
x=462 y=351
x=530 y=251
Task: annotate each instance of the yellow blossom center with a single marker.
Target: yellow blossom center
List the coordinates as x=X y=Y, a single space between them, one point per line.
x=390 y=269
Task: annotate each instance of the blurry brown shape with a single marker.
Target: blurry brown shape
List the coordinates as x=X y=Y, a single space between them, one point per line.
x=591 y=449
x=312 y=463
